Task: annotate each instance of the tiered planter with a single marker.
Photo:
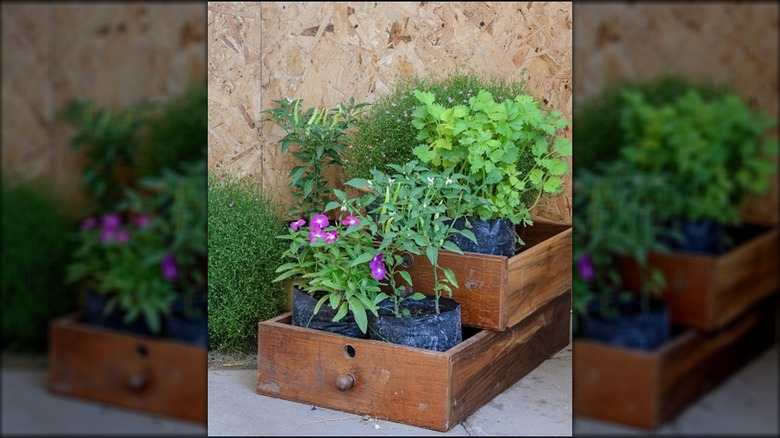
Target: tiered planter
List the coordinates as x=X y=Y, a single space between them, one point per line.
x=646 y=389
x=515 y=313
x=724 y=308
x=159 y=376
x=706 y=292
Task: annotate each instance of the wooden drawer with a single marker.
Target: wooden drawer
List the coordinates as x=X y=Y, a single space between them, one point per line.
x=408 y=385
x=707 y=292
x=164 y=377
x=497 y=292
x=646 y=389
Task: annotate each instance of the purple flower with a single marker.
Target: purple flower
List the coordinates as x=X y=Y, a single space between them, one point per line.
x=142 y=221
x=350 y=220
x=331 y=236
x=168 y=267
x=107 y=235
x=314 y=234
x=319 y=221
x=297 y=224
x=111 y=221
x=88 y=224
x=122 y=236
x=378 y=270
x=585 y=267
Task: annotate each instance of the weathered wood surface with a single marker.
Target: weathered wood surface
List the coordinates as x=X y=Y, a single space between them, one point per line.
x=707 y=292
x=496 y=292
x=403 y=384
x=137 y=372
x=646 y=389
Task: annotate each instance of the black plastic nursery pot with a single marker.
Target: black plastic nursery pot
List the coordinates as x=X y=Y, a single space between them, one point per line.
x=303 y=315
x=189 y=327
x=631 y=328
x=701 y=237
x=494 y=236
x=94 y=314
x=423 y=329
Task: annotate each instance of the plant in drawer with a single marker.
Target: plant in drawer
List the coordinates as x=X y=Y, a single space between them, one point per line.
x=614 y=219
x=335 y=281
x=412 y=219
x=510 y=151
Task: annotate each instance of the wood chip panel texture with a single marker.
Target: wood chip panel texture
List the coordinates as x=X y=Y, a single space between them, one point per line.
x=114 y=54
x=325 y=53
x=734 y=43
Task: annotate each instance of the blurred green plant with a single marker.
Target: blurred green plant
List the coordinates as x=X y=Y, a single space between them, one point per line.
x=111 y=138
x=35 y=255
x=243 y=255
x=175 y=134
x=616 y=217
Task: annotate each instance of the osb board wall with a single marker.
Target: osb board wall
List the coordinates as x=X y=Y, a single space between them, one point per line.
x=325 y=53
x=732 y=43
x=113 y=53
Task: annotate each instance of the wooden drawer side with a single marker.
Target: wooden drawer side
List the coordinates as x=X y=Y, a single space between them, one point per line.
x=483 y=370
x=538 y=275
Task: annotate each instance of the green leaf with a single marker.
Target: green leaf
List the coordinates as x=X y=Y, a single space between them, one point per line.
x=417 y=296
x=357 y=183
x=362 y=258
x=424 y=97
x=563 y=146
x=359 y=312
x=405 y=276
x=450 y=276
x=433 y=255
x=452 y=247
x=343 y=309
x=553 y=184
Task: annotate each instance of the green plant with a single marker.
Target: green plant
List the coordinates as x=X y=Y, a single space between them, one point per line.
x=175 y=133
x=243 y=254
x=110 y=137
x=127 y=259
x=616 y=217
x=712 y=149
x=321 y=134
x=176 y=200
x=334 y=259
x=416 y=214
x=35 y=252
x=489 y=141
x=385 y=135
x=599 y=136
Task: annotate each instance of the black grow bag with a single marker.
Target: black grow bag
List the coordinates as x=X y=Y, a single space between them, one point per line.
x=94 y=314
x=631 y=328
x=701 y=237
x=431 y=332
x=494 y=236
x=303 y=315
x=188 y=326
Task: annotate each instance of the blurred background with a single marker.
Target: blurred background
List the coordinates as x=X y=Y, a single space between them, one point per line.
x=103 y=158
x=696 y=138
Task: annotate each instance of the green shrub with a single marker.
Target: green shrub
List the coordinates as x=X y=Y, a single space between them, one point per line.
x=385 y=135
x=35 y=253
x=598 y=134
x=176 y=133
x=243 y=254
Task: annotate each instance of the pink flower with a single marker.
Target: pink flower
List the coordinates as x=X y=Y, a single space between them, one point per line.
x=319 y=221
x=314 y=234
x=585 y=267
x=122 y=236
x=88 y=224
x=111 y=221
x=350 y=220
x=168 y=267
x=377 y=265
x=297 y=224
x=331 y=236
x=142 y=221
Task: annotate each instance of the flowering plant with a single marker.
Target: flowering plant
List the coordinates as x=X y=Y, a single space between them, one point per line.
x=128 y=260
x=416 y=213
x=338 y=259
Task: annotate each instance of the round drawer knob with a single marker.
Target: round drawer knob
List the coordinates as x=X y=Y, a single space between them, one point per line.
x=138 y=381
x=345 y=381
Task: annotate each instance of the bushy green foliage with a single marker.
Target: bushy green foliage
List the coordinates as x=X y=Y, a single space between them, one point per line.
x=35 y=253
x=385 y=135
x=243 y=255
x=599 y=136
x=176 y=133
